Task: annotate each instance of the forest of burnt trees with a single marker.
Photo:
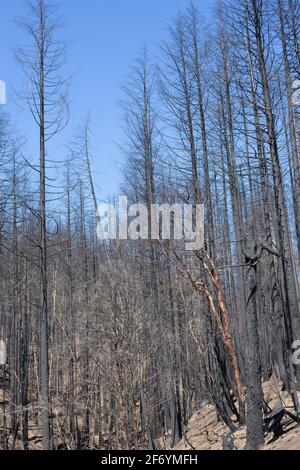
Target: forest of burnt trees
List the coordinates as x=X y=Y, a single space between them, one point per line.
x=115 y=344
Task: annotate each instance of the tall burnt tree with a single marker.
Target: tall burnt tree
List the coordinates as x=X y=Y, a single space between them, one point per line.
x=46 y=98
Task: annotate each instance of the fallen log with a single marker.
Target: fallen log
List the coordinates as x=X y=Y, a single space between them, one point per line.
x=274 y=421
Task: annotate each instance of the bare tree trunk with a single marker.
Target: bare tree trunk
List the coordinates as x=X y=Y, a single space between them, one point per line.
x=290 y=283
x=44 y=365
x=46 y=99
x=292 y=123
x=255 y=433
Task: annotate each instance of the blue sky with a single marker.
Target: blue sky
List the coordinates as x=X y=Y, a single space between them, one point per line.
x=104 y=37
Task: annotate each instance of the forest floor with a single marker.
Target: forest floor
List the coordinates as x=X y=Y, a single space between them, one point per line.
x=204 y=431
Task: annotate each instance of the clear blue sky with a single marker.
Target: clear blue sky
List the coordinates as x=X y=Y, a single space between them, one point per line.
x=104 y=37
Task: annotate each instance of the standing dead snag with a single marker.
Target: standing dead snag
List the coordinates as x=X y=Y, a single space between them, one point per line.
x=255 y=433
x=46 y=99
x=223 y=324
x=220 y=315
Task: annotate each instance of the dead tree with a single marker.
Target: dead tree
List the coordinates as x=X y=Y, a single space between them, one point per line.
x=46 y=99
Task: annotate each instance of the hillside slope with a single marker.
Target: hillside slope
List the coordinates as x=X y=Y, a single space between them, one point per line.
x=205 y=431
